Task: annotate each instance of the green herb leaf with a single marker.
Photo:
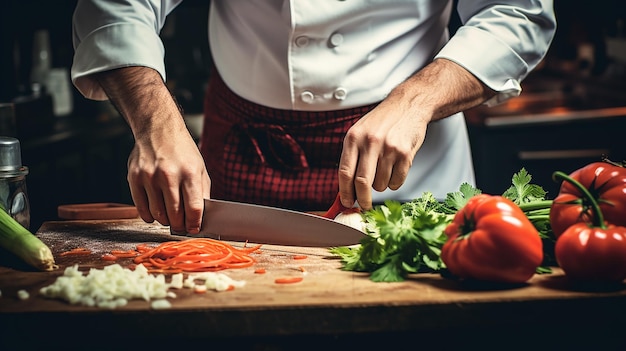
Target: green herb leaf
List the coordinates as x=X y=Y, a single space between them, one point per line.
x=456 y=200
x=522 y=191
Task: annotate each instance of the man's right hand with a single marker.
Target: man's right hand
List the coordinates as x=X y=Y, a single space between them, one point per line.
x=166 y=172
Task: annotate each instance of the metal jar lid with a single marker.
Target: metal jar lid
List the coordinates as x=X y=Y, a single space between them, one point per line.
x=11 y=157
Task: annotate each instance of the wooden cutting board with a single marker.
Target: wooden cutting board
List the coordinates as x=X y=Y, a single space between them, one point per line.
x=329 y=301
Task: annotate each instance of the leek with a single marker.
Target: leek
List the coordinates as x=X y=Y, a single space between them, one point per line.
x=24 y=244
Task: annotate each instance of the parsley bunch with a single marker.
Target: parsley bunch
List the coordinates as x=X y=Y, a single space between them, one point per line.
x=402 y=239
x=405 y=238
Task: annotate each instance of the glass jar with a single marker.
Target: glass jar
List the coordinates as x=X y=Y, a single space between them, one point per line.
x=13 y=194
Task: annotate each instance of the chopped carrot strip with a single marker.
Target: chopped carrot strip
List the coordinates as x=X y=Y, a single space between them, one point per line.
x=125 y=253
x=76 y=252
x=259 y=271
x=288 y=280
x=300 y=257
x=143 y=248
x=109 y=257
x=194 y=255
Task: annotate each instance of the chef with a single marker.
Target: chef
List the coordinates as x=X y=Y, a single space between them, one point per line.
x=307 y=98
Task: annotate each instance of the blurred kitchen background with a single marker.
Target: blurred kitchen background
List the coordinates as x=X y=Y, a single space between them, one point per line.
x=572 y=110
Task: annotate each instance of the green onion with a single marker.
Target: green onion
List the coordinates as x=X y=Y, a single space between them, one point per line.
x=24 y=244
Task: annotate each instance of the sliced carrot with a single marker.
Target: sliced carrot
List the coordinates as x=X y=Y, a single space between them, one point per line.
x=194 y=255
x=125 y=253
x=109 y=257
x=259 y=271
x=144 y=248
x=288 y=280
x=76 y=252
x=300 y=257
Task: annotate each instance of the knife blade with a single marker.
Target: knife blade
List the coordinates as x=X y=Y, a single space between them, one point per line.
x=235 y=221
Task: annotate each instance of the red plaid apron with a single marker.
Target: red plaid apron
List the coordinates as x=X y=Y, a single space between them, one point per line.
x=272 y=157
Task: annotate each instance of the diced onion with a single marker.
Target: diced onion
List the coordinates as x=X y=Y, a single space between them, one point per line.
x=113 y=286
x=217 y=281
x=23 y=295
x=160 y=304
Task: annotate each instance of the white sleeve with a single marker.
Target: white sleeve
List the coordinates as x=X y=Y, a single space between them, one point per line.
x=109 y=34
x=501 y=44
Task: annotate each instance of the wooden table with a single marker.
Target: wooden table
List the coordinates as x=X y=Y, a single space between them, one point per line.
x=330 y=308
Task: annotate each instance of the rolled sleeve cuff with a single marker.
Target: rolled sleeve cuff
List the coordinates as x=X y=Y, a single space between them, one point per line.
x=115 y=46
x=489 y=59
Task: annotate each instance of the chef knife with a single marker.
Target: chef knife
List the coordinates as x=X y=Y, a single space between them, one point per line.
x=235 y=221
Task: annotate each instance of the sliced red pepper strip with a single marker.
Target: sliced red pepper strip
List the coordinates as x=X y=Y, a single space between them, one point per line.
x=336 y=208
x=288 y=280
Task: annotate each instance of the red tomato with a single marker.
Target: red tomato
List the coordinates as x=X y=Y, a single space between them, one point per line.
x=605 y=182
x=491 y=239
x=587 y=253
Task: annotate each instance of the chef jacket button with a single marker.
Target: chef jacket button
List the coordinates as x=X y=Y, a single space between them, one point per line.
x=340 y=94
x=335 y=40
x=302 y=41
x=307 y=97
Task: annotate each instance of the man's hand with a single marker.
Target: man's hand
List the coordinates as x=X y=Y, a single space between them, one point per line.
x=166 y=173
x=379 y=149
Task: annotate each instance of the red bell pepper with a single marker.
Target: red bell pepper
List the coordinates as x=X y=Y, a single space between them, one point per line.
x=606 y=182
x=593 y=251
x=491 y=239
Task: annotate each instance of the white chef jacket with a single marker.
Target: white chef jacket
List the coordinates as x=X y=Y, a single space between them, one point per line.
x=332 y=54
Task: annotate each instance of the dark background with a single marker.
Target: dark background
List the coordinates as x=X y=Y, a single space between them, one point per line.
x=82 y=157
x=185 y=37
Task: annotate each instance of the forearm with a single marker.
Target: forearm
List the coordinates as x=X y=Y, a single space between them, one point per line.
x=166 y=173
x=141 y=96
x=439 y=90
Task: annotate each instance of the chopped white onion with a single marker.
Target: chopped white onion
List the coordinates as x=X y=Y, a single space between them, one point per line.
x=160 y=304
x=23 y=294
x=113 y=286
x=352 y=219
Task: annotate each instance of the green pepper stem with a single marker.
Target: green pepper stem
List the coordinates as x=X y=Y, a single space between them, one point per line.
x=598 y=217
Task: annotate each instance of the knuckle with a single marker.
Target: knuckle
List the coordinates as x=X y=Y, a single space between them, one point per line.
x=351 y=137
x=361 y=182
x=373 y=139
x=402 y=151
x=345 y=173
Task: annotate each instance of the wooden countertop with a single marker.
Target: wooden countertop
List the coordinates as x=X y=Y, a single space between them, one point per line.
x=330 y=307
